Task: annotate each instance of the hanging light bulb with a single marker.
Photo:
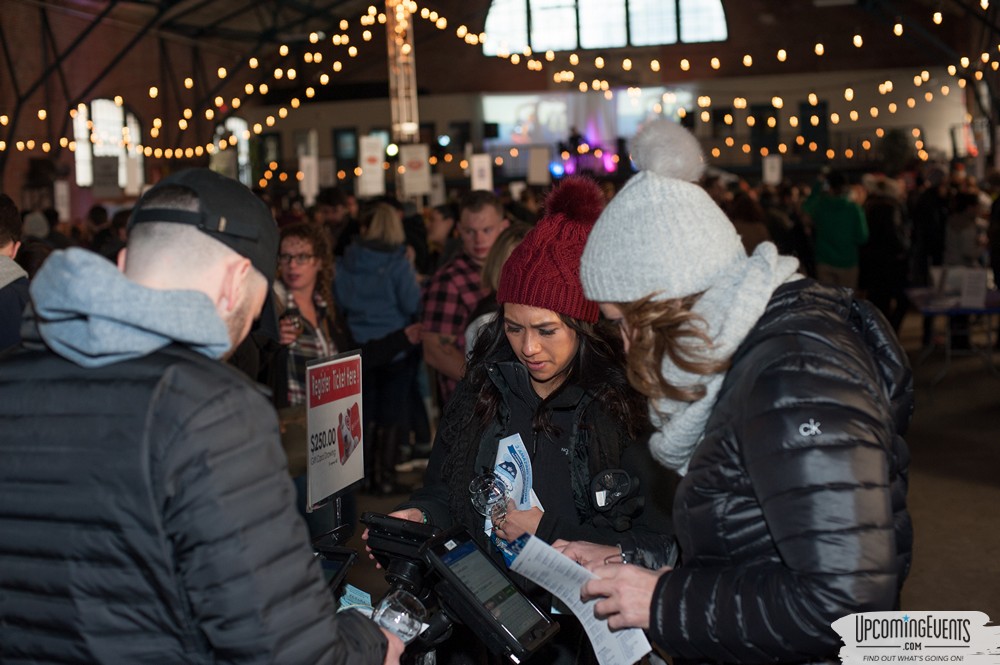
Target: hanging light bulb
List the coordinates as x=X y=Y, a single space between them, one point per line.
x=782 y=55
x=897 y=29
x=858 y=41
x=938 y=17
x=819 y=48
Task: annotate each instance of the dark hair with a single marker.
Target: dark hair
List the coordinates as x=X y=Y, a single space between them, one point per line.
x=836 y=180
x=97 y=215
x=52 y=217
x=744 y=208
x=965 y=200
x=120 y=219
x=331 y=196
x=32 y=255
x=478 y=199
x=598 y=367
x=10 y=221
x=447 y=211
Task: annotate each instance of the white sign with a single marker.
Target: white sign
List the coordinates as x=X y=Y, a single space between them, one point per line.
x=538 y=166
x=133 y=176
x=482 y=172
x=309 y=185
x=327 y=172
x=918 y=636
x=335 y=454
x=60 y=194
x=548 y=567
x=106 y=178
x=417 y=174
x=371 y=150
x=439 y=194
x=772 y=169
x=973 y=291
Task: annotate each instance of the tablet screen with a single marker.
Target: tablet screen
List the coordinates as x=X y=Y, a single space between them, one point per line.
x=495 y=592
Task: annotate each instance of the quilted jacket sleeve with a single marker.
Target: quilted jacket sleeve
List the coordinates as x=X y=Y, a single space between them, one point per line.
x=812 y=435
x=254 y=590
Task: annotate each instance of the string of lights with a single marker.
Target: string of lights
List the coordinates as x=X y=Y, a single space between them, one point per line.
x=967 y=68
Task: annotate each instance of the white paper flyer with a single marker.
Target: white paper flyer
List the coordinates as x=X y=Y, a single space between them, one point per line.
x=544 y=565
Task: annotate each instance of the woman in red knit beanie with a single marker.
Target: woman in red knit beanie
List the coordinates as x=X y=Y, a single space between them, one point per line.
x=548 y=370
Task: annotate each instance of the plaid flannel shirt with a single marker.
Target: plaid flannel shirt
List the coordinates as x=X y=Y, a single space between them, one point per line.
x=450 y=297
x=314 y=342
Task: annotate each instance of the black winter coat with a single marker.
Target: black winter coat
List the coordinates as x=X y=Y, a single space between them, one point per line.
x=146 y=516
x=793 y=511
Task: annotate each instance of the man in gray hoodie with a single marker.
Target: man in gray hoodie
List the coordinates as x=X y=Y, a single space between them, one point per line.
x=146 y=514
x=13 y=279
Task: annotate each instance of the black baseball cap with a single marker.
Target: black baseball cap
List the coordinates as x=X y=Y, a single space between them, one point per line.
x=228 y=212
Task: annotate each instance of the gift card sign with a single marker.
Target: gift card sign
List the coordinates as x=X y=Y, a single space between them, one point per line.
x=335 y=454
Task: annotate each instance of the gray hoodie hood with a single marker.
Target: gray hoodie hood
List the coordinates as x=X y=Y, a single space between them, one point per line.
x=10 y=271
x=91 y=314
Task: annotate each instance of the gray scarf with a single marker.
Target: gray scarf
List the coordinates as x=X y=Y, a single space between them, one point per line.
x=730 y=308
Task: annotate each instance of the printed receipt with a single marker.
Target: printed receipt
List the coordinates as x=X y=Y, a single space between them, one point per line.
x=544 y=565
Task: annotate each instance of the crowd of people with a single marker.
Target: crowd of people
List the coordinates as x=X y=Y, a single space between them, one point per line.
x=720 y=344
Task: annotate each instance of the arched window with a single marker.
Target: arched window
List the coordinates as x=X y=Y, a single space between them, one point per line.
x=564 y=25
x=105 y=129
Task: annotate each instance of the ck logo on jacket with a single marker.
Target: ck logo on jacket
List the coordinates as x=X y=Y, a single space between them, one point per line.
x=810 y=428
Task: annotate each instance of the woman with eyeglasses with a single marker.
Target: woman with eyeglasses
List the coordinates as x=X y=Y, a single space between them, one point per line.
x=309 y=326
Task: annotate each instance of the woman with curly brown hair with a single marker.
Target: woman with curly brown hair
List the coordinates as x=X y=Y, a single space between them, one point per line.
x=780 y=402
x=310 y=328
x=305 y=303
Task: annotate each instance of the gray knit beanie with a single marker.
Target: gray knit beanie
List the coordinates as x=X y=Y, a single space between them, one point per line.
x=662 y=233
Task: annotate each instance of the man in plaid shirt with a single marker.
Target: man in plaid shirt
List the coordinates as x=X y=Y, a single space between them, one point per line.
x=454 y=291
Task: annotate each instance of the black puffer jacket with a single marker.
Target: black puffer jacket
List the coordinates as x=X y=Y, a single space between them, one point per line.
x=146 y=516
x=793 y=512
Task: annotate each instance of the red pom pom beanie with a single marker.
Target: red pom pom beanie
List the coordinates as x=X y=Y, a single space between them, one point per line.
x=544 y=270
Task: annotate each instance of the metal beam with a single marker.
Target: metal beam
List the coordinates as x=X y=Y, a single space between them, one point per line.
x=116 y=60
x=62 y=74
